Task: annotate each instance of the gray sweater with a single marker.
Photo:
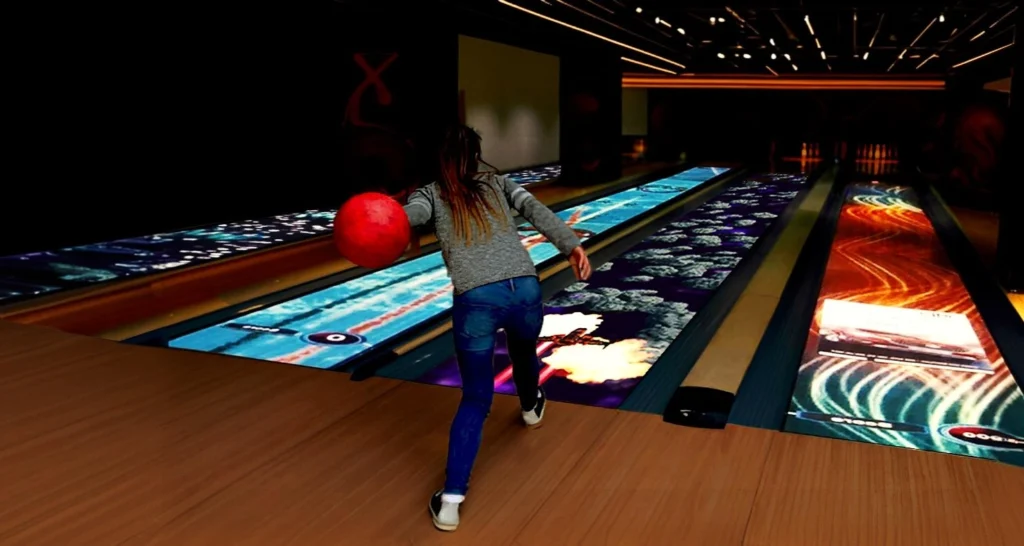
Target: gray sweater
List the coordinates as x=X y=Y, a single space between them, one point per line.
x=503 y=255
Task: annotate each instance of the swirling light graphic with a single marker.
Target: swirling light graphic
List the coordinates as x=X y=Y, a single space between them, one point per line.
x=886 y=253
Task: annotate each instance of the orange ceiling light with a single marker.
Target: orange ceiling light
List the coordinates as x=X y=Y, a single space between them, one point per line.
x=783 y=83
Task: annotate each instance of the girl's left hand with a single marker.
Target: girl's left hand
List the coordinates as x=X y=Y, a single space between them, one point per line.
x=580 y=263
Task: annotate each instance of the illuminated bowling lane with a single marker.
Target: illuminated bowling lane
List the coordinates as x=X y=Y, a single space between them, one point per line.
x=333 y=326
x=898 y=353
x=533 y=175
x=40 y=273
x=602 y=337
x=876 y=159
x=869 y=159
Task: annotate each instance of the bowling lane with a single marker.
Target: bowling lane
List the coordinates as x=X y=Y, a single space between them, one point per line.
x=333 y=326
x=39 y=273
x=898 y=353
x=29 y=275
x=602 y=337
x=537 y=174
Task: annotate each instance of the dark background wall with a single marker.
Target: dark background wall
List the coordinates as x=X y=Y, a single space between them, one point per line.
x=155 y=119
x=731 y=124
x=591 y=116
x=965 y=147
x=160 y=118
x=139 y=120
x=1011 y=188
x=952 y=136
x=398 y=91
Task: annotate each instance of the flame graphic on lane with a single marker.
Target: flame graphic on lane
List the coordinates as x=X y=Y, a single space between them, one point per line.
x=626 y=359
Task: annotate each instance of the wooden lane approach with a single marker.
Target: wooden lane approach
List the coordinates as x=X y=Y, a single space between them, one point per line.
x=106 y=443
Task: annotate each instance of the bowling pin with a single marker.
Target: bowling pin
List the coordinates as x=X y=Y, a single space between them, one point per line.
x=803 y=150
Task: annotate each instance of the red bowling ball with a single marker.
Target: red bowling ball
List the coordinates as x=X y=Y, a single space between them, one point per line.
x=371 y=230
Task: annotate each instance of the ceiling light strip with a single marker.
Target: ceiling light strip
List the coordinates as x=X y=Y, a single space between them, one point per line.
x=930 y=23
x=596 y=5
x=742 y=20
x=589 y=33
x=611 y=24
x=956 y=35
x=898 y=59
x=855 y=31
x=875 y=35
x=651 y=66
x=983 y=55
x=925 y=61
x=1000 y=20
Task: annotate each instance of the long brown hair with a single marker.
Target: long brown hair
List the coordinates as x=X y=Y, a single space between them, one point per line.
x=466 y=196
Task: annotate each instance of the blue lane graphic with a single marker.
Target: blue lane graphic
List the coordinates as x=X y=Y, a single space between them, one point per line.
x=38 y=273
x=334 y=325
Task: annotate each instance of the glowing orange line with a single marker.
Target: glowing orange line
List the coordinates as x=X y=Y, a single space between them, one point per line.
x=778 y=83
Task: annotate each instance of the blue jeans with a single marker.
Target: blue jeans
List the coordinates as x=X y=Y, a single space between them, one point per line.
x=513 y=305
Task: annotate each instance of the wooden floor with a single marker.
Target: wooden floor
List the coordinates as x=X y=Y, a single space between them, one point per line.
x=108 y=444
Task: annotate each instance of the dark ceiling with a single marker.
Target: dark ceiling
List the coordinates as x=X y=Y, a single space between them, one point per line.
x=760 y=37
x=757 y=37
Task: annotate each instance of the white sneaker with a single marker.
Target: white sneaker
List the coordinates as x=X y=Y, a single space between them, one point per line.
x=444 y=509
x=533 y=417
